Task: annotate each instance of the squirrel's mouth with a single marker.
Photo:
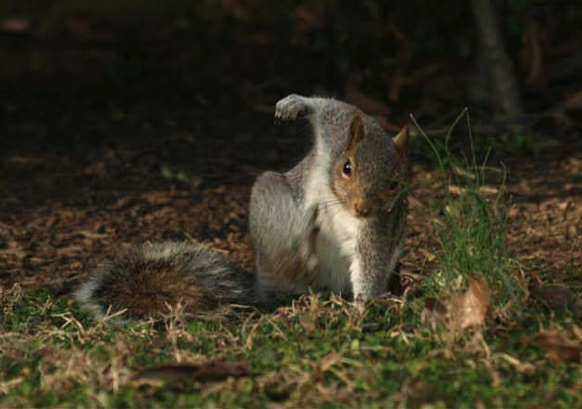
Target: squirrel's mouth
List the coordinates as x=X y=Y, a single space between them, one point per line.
x=364 y=210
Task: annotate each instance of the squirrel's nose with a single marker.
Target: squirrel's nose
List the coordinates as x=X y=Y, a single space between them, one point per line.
x=361 y=209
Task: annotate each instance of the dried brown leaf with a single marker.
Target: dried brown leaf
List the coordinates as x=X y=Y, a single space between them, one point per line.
x=560 y=346
x=92 y=235
x=489 y=190
x=456 y=190
x=15 y=25
x=556 y=296
x=573 y=101
x=469 y=309
x=14 y=249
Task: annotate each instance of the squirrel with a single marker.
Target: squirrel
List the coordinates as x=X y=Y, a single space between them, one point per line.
x=333 y=223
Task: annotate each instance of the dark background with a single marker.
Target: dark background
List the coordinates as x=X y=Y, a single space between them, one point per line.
x=124 y=121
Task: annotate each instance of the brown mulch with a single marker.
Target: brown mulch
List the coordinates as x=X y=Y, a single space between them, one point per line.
x=87 y=170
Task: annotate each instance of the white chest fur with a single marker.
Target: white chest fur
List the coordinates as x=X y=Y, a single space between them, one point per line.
x=336 y=246
x=338 y=229
x=336 y=241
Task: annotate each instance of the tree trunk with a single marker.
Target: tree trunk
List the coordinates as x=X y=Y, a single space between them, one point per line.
x=504 y=85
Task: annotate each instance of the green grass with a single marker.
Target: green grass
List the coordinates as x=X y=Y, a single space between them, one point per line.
x=314 y=353
x=471 y=227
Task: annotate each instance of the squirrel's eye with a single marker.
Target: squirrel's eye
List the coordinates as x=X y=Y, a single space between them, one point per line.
x=348 y=168
x=393 y=185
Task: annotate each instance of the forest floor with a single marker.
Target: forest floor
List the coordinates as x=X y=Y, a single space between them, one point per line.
x=96 y=158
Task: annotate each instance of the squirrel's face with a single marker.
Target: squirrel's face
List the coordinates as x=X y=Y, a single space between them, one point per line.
x=370 y=176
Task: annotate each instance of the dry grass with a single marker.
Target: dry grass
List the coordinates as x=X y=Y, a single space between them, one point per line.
x=311 y=353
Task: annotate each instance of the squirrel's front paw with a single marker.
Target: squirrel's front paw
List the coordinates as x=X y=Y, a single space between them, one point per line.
x=308 y=250
x=360 y=301
x=292 y=107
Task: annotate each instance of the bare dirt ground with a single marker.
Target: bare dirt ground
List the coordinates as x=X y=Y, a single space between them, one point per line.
x=96 y=156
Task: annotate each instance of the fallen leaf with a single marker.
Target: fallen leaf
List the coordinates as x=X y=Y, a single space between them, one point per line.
x=456 y=190
x=96 y=169
x=469 y=309
x=573 y=101
x=124 y=203
x=15 y=25
x=72 y=250
x=428 y=256
x=14 y=249
x=514 y=211
x=488 y=190
x=209 y=371
x=556 y=296
x=560 y=346
x=91 y=235
x=308 y=20
x=564 y=205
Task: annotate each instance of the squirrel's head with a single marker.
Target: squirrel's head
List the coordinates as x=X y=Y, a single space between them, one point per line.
x=370 y=176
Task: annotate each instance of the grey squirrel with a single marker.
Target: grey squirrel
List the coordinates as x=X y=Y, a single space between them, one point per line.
x=334 y=224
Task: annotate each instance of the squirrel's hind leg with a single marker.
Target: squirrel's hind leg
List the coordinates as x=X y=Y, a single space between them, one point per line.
x=282 y=233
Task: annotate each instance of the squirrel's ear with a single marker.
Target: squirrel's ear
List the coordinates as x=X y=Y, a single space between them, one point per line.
x=357 y=132
x=401 y=140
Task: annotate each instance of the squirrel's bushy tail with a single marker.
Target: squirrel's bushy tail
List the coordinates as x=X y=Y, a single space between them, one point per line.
x=147 y=279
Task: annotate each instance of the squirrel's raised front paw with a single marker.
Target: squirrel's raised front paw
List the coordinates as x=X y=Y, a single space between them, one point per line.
x=292 y=107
